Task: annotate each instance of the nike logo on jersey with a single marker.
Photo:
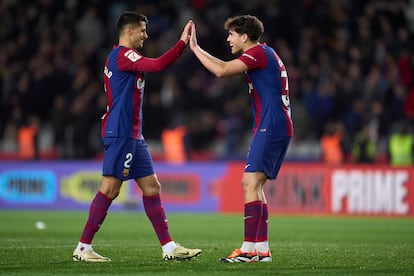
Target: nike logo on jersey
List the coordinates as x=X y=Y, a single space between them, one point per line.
x=285 y=100
x=140 y=84
x=248 y=165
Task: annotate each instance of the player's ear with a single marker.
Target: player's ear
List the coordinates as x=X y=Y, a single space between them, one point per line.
x=245 y=38
x=128 y=29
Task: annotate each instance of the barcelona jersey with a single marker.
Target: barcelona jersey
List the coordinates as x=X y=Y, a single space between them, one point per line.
x=124 y=84
x=269 y=91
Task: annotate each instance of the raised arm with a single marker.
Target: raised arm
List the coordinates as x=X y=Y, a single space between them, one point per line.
x=216 y=66
x=145 y=64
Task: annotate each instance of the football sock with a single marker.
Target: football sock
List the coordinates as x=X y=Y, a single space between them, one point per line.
x=262 y=247
x=248 y=246
x=97 y=213
x=252 y=213
x=169 y=247
x=83 y=246
x=155 y=213
x=261 y=238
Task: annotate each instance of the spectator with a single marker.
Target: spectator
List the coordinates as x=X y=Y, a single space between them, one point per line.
x=401 y=147
x=332 y=144
x=173 y=141
x=27 y=139
x=363 y=148
x=341 y=55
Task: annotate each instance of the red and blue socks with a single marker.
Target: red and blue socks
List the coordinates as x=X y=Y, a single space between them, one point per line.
x=262 y=244
x=97 y=213
x=263 y=224
x=156 y=214
x=252 y=216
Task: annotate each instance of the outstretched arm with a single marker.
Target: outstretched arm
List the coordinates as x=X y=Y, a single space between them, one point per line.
x=145 y=64
x=216 y=66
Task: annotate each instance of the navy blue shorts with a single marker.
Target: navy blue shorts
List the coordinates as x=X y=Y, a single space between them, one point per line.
x=126 y=158
x=266 y=154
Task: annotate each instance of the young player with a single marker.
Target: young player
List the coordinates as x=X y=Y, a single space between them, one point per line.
x=126 y=155
x=272 y=128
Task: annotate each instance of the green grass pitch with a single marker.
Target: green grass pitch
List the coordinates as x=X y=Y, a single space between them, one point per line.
x=301 y=245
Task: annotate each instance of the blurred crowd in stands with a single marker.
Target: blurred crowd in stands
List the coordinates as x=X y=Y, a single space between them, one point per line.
x=350 y=66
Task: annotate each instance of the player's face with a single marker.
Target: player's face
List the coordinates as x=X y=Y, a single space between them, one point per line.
x=235 y=41
x=139 y=35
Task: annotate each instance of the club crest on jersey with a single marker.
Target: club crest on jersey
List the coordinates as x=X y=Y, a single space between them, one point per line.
x=125 y=172
x=132 y=55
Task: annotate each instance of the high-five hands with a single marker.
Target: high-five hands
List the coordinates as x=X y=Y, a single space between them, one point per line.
x=189 y=34
x=193 y=37
x=185 y=35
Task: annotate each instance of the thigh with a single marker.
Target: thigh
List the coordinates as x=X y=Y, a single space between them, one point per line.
x=266 y=154
x=141 y=164
x=126 y=158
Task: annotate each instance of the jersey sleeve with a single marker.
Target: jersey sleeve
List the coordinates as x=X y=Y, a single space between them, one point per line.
x=131 y=60
x=254 y=58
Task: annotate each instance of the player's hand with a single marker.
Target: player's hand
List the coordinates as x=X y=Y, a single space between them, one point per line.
x=185 y=35
x=193 y=37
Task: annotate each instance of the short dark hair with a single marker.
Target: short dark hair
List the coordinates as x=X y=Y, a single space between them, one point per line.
x=245 y=24
x=129 y=17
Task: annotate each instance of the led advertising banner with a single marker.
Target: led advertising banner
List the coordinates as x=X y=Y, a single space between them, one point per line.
x=72 y=185
x=320 y=189
x=303 y=188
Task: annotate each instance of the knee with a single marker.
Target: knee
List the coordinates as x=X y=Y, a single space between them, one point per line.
x=154 y=188
x=110 y=192
x=114 y=194
x=248 y=187
x=110 y=186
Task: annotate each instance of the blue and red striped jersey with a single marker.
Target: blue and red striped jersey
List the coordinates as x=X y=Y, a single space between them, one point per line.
x=124 y=84
x=269 y=91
